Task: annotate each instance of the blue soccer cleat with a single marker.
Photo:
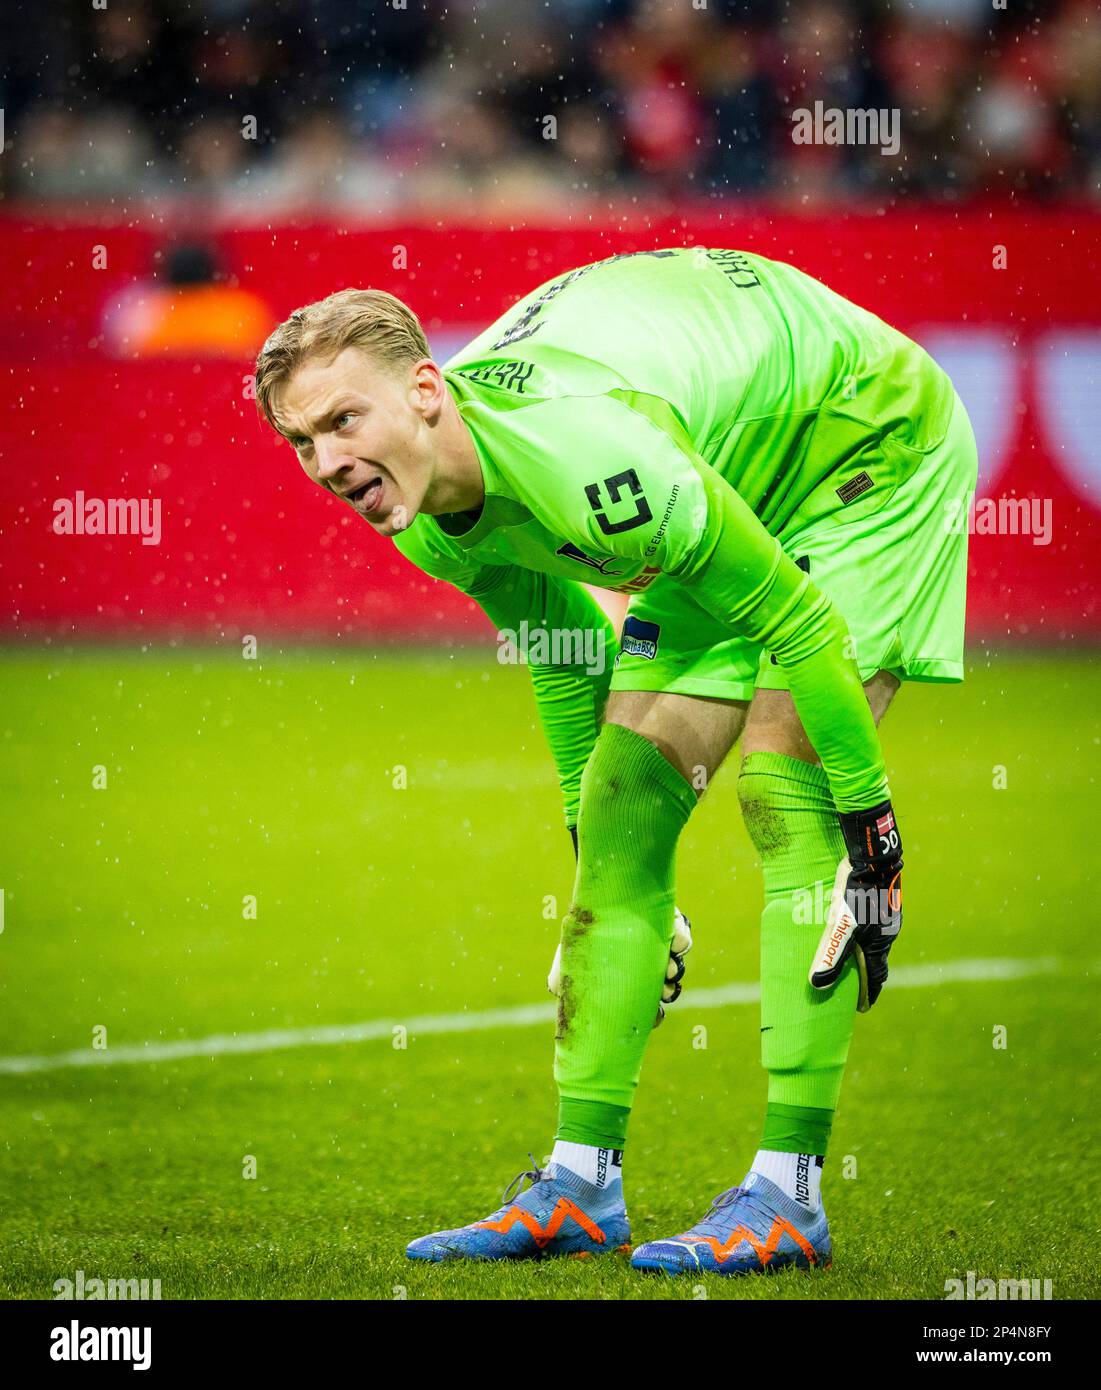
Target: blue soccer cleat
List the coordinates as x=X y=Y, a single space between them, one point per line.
x=752 y=1229
x=559 y=1214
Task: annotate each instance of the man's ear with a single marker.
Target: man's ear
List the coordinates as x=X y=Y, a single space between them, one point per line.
x=428 y=388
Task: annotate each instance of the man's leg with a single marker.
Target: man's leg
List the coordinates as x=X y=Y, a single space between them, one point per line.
x=775 y=1217
x=805 y=1033
x=636 y=796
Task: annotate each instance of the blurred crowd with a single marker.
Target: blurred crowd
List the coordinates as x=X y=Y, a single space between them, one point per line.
x=256 y=107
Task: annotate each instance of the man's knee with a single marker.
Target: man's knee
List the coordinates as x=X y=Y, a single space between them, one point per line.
x=625 y=774
x=790 y=818
x=692 y=732
x=634 y=803
x=777 y=794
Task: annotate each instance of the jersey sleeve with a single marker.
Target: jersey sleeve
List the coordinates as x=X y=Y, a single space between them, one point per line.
x=570 y=675
x=631 y=483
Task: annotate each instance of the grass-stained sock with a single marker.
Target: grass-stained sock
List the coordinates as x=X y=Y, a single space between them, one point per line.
x=805 y=1033
x=616 y=936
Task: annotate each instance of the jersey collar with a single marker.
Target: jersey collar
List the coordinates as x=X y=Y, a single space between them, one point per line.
x=498 y=509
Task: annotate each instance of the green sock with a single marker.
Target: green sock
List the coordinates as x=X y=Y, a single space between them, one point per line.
x=616 y=936
x=805 y=1033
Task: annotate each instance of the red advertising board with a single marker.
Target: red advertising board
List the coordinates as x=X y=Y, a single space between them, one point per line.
x=1008 y=300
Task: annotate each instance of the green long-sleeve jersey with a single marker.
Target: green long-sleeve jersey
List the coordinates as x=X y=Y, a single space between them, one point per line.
x=680 y=413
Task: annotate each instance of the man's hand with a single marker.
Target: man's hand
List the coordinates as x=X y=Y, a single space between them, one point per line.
x=865 y=913
x=674 y=971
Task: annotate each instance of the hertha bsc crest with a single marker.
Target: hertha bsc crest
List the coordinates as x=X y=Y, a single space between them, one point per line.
x=640 y=639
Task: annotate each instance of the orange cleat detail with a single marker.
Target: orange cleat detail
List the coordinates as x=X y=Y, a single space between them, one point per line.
x=543 y=1235
x=764 y=1251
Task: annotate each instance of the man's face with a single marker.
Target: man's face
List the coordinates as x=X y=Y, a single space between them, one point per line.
x=362 y=431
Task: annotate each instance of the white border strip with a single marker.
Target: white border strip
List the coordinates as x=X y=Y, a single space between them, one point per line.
x=522 y=1016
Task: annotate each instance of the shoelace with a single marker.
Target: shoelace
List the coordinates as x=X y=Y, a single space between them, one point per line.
x=720 y=1204
x=725 y=1199
x=534 y=1174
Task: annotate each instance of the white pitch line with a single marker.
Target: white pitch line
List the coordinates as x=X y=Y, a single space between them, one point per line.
x=522 y=1016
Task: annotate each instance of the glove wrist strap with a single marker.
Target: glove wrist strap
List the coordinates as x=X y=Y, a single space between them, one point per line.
x=871 y=837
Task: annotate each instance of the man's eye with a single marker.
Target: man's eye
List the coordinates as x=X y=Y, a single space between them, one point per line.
x=298 y=441
x=342 y=419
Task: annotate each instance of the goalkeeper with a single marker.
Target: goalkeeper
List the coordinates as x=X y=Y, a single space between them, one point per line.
x=769 y=472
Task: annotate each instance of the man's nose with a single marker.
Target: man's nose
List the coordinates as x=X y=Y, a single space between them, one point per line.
x=332 y=460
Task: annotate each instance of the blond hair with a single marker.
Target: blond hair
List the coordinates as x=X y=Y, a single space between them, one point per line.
x=373 y=320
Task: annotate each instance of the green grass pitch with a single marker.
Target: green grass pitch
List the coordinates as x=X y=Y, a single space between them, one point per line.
x=124 y=910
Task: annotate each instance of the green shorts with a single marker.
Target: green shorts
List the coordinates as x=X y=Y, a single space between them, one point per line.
x=897 y=573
